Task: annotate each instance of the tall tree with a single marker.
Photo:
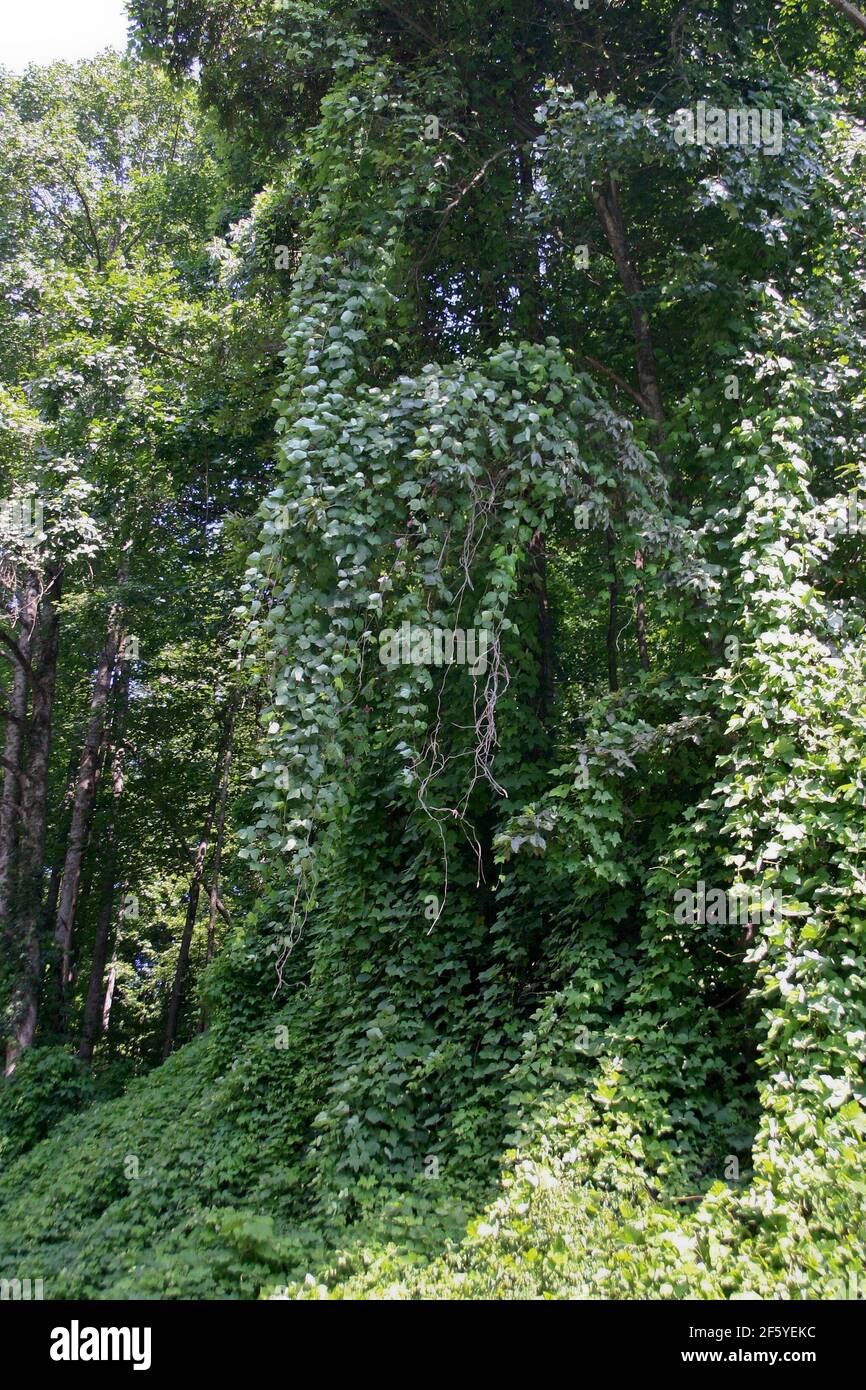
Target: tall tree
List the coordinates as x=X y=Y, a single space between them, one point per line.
x=94 y=1001
x=27 y=947
x=18 y=651
x=85 y=795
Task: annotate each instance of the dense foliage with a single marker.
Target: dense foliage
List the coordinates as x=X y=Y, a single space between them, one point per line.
x=537 y=974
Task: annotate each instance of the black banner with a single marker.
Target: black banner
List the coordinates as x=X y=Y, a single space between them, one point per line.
x=82 y=1339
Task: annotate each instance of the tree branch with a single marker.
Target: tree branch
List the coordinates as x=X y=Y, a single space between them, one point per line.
x=16 y=771
x=851 y=13
x=618 y=381
x=12 y=646
x=86 y=208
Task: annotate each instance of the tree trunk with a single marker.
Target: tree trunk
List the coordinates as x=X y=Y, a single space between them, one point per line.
x=82 y=806
x=218 y=846
x=109 y=988
x=10 y=801
x=546 y=684
x=217 y=856
x=606 y=200
x=195 y=888
x=93 y=1003
x=63 y=838
x=851 y=13
x=34 y=804
x=640 y=612
x=90 y=865
x=612 y=604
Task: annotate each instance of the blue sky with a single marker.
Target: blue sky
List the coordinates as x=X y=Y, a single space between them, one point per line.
x=41 y=31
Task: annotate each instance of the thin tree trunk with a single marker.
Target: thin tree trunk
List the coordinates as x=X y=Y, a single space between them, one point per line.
x=94 y=999
x=612 y=604
x=109 y=988
x=217 y=856
x=218 y=845
x=93 y=1003
x=546 y=686
x=85 y=795
x=25 y=996
x=607 y=206
x=194 y=891
x=531 y=317
x=63 y=837
x=640 y=611
x=90 y=864
x=10 y=800
x=606 y=201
